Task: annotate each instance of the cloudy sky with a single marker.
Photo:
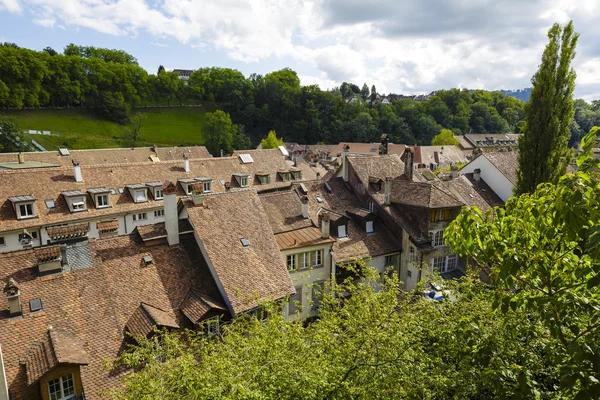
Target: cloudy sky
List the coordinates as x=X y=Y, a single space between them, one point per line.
x=409 y=46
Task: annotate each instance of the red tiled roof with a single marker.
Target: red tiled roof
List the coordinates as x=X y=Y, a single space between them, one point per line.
x=146 y=317
x=47 y=253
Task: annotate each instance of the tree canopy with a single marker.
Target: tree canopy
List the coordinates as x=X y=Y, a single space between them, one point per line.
x=543 y=152
x=271 y=141
x=219 y=132
x=11 y=137
x=445 y=137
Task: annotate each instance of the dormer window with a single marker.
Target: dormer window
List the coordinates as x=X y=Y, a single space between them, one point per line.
x=296 y=174
x=263 y=178
x=24 y=206
x=100 y=197
x=342 y=231
x=158 y=194
x=207 y=186
x=139 y=193
x=75 y=200
x=102 y=201
x=156 y=189
x=369 y=227
x=241 y=179
x=285 y=175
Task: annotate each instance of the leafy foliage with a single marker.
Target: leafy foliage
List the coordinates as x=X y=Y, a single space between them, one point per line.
x=218 y=132
x=445 y=137
x=542 y=252
x=11 y=138
x=543 y=153
x=271 y=141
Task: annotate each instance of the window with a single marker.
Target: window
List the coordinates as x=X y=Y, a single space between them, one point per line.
x=440 y=215
x=78 y=204
x=102 y=200
x=159 y=213
x=304 y=260
x=140 y=195
x=439 y=263
x=188 y=189
x=409 y=273
x=451 y=263
x=244 y=181
x=291 y=262
x=342 y=231
x=2 y=242
x=295 y=303
x=62 y=388
x=370 y=227
x=26 y=210
x=158 y=194
x=207 y=187
x=264 y=179
x=212 y=326
x=140 y=216
x=437 y=238
x=318 y=258
x=317 y=294
x=390 y=260
x=412 y=255
x=372 y=206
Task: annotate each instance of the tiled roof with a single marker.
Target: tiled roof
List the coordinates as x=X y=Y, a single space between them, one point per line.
x=506 y=162
x=158 y=230
x=367 y=148
x=49 y=183
x=303 y=237
x=492 y=139
x=420 y=194
x=146 y=317
x=359 y=244
x=110 y=156
x=46 y=253
x=94 y=304
x=377 y=167
x=68 y=231
x=197 y=305
x=284 y=211
x=111 y=225
x=56 y=347
x=247 y=274
x=440 y=155
x=472 y=193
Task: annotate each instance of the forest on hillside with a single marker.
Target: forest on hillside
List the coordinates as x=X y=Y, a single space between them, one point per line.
x=112 y=82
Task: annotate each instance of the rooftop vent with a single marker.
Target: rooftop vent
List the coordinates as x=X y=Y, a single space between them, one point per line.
x=244 y=242
x=64 y=151
x=246 y=158
x=35 y=305
x=148 y=260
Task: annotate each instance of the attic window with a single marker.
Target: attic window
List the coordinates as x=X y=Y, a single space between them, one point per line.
x=244 y=181
x=342 y=231
x=35 y=305
x=244 y=242
x=207 y=186
x=78 y=204
x=369 y=227
x=50 y=204
x=140 y=196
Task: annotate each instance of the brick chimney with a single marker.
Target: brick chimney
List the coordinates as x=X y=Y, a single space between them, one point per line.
x=198 y=194
x=477 y=174
x=387 y=191
x=77 y=172
x=186 y=164
x=408 y=163
x=13 y=295
x=304 y=202
x=325 y=225
x=171 y=214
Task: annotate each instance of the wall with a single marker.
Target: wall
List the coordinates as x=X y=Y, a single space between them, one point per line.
x=151 y=219
x=61 y=370
x=306 y=278
x=409 y=283
x=490 y=174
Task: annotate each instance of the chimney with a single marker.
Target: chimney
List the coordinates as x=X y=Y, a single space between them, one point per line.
x=77 y=172
x=13 y=295
x=477 y=175
x=318 y=175
x=387 y=189
x=198 y=194
x=453 y=171
x=345 y=162
x=304 y=201
x=408 y=163
x=383 y=148
x=325 y=225
x=186 y=164
x=171 y=214
x=21 y=158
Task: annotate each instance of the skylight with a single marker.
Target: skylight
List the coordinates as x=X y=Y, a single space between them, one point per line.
x=64 y=151
x=283 y=151
x=244 y=242
x=35 y=305
x=246 y=158
x=50 y=204
x=120 y=190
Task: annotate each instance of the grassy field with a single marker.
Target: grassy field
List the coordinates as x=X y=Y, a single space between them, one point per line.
x=82 y=129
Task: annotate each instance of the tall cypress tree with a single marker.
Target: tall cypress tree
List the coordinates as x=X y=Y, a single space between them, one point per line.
x=543 y=148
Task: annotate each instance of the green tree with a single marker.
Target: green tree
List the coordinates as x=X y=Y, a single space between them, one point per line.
x=218 y=132
x=132 y=132
x=445 y=137
x=364 y=92
x=241 y=141
x=11 y=137
x=160 y=69
x=373 y=93
x=543 y=153
x=542 y=254
x=271 y=141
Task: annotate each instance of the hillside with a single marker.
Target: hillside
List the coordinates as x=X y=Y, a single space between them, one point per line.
x=77 y=128
x=521 y=94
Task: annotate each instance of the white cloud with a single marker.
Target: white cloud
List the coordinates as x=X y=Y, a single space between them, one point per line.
x=410 y=46
x=158 y=44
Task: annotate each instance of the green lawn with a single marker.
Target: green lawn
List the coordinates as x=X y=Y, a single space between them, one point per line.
x=82 y=129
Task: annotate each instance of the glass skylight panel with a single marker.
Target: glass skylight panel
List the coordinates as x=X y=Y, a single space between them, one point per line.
x=50 y=204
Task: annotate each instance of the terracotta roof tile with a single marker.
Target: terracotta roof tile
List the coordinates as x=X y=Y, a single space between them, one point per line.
x=111 y=225
x=146 y=317
x=47 y=253
x=506 y=162
x=284 y=211
x=247 y=274
x=68 y=231
x=196 y=305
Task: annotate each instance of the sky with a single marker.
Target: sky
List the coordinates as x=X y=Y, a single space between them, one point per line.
x=408 y=46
